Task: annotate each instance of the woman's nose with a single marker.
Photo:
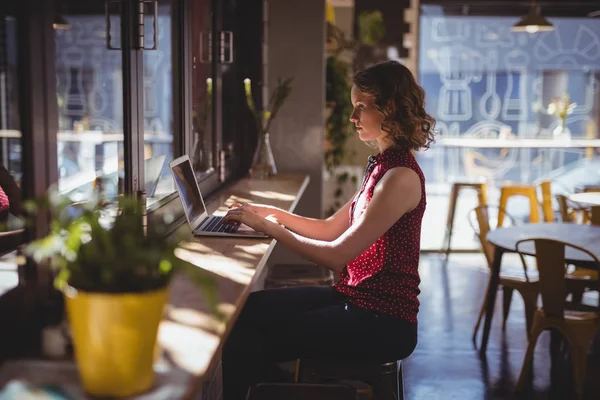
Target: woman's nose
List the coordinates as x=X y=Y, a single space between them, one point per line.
x=353 y=117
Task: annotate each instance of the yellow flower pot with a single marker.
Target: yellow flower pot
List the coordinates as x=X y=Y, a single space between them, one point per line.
x=114 y=337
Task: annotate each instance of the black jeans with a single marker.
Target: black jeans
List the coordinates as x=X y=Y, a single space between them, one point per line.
x=307 y=322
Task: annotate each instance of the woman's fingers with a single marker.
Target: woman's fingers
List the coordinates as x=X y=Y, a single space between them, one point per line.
x=234 y=215
x=236 y=205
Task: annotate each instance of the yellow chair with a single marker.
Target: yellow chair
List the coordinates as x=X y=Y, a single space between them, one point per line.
x=481 y=189
x=530 y=191
x=578 y=328
x=509 y=190
x=524 y=280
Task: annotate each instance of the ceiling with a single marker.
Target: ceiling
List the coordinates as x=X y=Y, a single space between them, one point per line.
x=549 y=8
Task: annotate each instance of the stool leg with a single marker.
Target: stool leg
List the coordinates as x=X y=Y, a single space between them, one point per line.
x=482 y=194
x=534 y=209
x=400 y=382
x=450 y=219
x=386 y=386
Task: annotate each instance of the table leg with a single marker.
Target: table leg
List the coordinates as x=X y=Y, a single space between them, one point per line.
x=491 y=298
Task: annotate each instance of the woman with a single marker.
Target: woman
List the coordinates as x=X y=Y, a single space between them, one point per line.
x=370 y=314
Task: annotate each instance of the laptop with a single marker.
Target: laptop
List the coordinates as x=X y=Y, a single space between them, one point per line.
x=201 y=222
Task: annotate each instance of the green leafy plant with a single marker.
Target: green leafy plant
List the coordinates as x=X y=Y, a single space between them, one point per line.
x=371 y=27
x=338 y=126
x=278 y=96
x=92 y=254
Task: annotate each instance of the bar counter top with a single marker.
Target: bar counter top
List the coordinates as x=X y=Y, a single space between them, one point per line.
x=190 y=337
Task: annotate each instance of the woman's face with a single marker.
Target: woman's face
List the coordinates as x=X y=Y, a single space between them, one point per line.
x=365 y=116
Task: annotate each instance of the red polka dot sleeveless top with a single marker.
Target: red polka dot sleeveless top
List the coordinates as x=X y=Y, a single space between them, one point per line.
x=4 y=203
x=385 y=277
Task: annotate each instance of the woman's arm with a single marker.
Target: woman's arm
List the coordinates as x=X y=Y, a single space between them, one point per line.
x=398 y=192
x=319 y=229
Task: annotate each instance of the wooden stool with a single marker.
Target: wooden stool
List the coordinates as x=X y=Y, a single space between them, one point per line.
x=547 y=209
x=481 y=189
x=301 y=391
x=384 y=379
x=528 y=191
x=285 y=275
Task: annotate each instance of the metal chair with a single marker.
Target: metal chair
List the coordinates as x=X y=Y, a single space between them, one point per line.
x=524 y=280
x=578 y=328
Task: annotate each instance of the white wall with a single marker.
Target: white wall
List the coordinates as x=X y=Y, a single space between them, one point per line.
x=295 y=36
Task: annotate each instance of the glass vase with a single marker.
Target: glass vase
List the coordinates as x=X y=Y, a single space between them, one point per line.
x=561 y=132
x=263 y=163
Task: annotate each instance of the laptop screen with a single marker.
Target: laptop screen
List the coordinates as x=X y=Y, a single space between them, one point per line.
x=188 y=190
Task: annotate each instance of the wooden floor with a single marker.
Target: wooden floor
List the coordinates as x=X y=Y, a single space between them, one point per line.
x=446 y=365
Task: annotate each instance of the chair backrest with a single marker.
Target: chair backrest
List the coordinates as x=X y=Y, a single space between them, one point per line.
x=566 y=215
x=551 y=265
x=479 y=219
x=547 y=209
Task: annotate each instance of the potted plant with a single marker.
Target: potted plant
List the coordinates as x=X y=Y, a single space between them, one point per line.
x=115 y=277
x=263 y=162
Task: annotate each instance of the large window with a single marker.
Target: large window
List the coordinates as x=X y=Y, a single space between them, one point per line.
x=481 y=78
x=203 y=88
x=11 y=153
x=90 y=97
x=115 y=108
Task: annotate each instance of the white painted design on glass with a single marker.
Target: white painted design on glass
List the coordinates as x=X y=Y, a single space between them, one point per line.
x=515 y=106
x=444 y=30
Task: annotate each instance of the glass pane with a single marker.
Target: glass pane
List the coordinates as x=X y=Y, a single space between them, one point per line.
x=485 y=81
x=11 y=156
x=89 y=93
x=158 y=105
x=202 y=94
x=11 y=167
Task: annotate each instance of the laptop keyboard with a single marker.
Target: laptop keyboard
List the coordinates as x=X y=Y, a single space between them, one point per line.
x=216 y=224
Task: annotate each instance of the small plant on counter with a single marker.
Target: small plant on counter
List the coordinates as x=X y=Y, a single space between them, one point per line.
x=263 y=162
x=114 y=273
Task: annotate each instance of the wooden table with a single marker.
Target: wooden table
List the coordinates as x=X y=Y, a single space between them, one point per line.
x=587 y=199
x=190 y=337
x=505 y=240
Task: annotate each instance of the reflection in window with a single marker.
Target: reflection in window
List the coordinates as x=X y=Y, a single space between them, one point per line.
x=89 y=96
x=11 y=155
x=202 y=89
x=158 y=106
x=11 y=158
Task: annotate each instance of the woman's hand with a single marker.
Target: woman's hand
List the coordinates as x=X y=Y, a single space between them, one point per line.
x=245 y=214
x=262 y=210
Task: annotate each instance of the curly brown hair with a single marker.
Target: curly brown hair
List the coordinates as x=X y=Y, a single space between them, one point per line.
x=401 y=101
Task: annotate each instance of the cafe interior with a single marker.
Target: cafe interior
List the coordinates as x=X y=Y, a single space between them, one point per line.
x=106 y=293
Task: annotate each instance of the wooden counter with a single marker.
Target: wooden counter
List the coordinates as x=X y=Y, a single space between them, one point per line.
x=189 y=336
